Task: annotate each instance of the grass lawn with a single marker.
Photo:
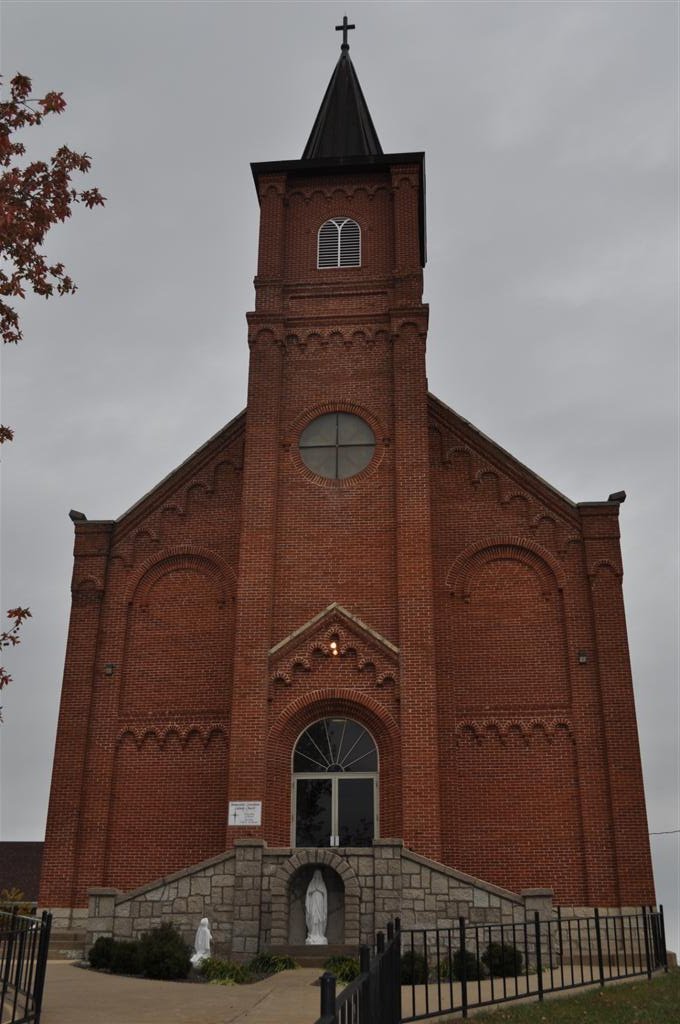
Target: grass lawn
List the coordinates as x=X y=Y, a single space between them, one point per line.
x=640 y=1002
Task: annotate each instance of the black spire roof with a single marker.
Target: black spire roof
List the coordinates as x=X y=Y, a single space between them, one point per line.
x=343 y=126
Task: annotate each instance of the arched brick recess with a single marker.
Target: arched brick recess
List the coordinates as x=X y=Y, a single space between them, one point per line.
x=280 y=885
x=157 y=565
x=507 y=613
x=541 y=560
x=307 y=709
x=179 y=630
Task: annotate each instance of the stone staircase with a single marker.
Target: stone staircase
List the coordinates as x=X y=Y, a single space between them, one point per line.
x=66 y=944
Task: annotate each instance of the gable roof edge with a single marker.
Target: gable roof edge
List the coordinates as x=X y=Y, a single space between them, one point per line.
x=205 y=450
x=512 y=462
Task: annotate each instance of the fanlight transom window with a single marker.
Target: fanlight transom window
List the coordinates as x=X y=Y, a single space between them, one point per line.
x=335 y=745
x=339 y=243
x=335 y=785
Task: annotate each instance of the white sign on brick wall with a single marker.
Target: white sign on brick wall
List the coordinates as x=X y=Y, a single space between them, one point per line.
x=245 y=812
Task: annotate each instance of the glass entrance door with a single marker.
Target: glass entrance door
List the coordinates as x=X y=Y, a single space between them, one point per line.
x=335 y=785
x=355 y=812
x=314 y=812
x=334 y=811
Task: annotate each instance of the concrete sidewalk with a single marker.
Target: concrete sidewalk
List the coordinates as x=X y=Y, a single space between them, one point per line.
x=77 y=996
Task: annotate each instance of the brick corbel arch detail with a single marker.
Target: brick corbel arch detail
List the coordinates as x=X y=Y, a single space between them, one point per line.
x=605 y=567
x=280 y=890
x=307 y=709
x=546 y=566
x=160 y=564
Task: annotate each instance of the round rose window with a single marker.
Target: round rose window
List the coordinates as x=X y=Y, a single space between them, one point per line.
x=337 y=445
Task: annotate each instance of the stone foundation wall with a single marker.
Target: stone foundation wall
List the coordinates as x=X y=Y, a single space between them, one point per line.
x=246 y=895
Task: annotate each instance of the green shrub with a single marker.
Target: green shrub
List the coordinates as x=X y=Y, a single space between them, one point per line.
x=413 y=968
x=164 y=954
x=454 y=967
x=101 y=953
x=271 y=963
x=503 y=960
x=345 y=968
x=125 y=957
x=224 y=972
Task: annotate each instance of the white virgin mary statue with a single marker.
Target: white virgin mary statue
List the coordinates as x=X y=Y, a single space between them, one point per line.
x=202 y=942
x=316 y=911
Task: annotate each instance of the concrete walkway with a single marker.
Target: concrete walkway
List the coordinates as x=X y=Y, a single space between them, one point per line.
x=77 y=996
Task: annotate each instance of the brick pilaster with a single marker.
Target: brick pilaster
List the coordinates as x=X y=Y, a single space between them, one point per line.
x=629 y=818
x=64 y=821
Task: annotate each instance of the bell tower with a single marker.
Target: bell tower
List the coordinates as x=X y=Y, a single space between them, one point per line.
x=336 y=506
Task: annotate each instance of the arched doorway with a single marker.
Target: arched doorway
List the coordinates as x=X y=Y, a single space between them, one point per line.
x=335 y=785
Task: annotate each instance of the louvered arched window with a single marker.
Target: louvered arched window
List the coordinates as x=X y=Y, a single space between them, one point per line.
x=339 y=243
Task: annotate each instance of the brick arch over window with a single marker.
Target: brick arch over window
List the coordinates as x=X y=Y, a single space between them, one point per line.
x=507 y=627
x=280 y=892
x=309 y=708
x=179 y=636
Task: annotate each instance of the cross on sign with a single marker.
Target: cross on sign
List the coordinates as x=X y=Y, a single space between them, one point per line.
x=344 y=28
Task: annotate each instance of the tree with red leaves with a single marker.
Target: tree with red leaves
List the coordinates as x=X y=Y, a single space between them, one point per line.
x=34 y=196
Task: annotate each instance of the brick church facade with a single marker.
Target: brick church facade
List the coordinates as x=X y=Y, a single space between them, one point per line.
x=350 y=614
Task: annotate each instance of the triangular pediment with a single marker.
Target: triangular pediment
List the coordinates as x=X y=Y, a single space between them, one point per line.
x=334 y=632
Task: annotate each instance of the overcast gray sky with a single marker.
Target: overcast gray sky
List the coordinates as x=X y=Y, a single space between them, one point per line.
x=551 y=138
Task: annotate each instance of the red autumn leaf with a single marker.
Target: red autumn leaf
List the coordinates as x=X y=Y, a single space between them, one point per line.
x=34 y=196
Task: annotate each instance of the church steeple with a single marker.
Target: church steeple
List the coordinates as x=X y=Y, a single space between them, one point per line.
x=343 y=126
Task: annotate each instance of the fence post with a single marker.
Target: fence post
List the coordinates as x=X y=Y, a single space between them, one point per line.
x=328 y=996
x=463 y=968
x=43 y=947
x=390 y=931
x=396 y=965
x=539 y=957
x=648 y=953
x=598 y=940
x=662 y=929
x=9 y=950
x=380 y=942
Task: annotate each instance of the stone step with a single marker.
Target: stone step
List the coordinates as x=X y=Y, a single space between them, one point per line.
x=67 y=945
x=313 y=956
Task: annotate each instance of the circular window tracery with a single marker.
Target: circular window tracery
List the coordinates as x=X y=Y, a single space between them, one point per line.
x=337 y=445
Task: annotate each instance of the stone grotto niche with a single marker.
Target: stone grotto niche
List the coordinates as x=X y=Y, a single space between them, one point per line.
x=335 y=929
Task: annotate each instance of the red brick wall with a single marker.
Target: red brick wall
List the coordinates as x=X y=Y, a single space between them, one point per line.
x=528 y=782
x=153 y=597
x=478 y=585
x=167 y=811
x=515 y=812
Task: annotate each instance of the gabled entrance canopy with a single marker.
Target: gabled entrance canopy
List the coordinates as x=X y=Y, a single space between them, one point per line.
x=334 y=632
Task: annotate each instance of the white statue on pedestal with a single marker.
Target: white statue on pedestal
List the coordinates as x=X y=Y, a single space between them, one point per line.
x=316 y=911
x=202 y=942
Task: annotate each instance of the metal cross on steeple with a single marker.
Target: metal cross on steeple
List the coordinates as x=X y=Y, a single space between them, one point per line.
x=344 y=28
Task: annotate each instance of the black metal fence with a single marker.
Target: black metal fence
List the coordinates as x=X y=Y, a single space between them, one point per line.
x=24 y=941
x=452 y=970
x=375 y=996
